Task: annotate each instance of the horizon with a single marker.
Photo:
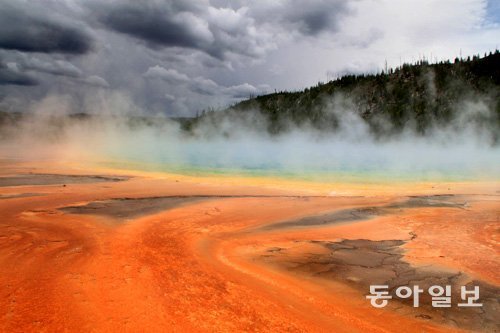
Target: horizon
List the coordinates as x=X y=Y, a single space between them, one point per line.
x=385 y=71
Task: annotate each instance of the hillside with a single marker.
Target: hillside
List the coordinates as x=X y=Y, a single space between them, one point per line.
x=419 y=96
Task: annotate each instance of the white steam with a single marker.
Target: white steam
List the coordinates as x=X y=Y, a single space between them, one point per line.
x=462 y=149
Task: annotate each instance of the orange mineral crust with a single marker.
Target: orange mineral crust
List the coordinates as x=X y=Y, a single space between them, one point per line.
x=100 y=250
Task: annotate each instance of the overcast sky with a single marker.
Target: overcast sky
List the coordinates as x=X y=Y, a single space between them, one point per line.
x=177 y=57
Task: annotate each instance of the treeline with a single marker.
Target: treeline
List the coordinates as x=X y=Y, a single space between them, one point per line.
x=421 y=95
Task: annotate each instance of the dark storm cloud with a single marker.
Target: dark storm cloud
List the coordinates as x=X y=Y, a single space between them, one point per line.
x=247 y=29
x=315 y=16
x=194 y=25
x=10 y=76
x=307 y=18
x=159 y=24
x=157 y=27
x=23 y=27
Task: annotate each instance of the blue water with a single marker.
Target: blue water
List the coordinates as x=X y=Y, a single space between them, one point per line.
x=323 y=161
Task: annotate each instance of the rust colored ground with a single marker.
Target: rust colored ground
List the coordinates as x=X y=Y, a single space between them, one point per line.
x=213 y=264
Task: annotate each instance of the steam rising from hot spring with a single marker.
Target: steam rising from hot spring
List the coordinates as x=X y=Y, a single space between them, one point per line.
x=462 y=149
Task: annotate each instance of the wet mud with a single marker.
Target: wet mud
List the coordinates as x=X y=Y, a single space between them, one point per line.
x=361 y=263
x=132 y=207
x=55 y=179
x=365 y=213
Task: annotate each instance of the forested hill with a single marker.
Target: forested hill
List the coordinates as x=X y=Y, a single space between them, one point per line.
x=417 y=95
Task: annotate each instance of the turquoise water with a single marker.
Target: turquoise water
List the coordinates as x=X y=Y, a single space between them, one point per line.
x=325 y=161
x=367 y=175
